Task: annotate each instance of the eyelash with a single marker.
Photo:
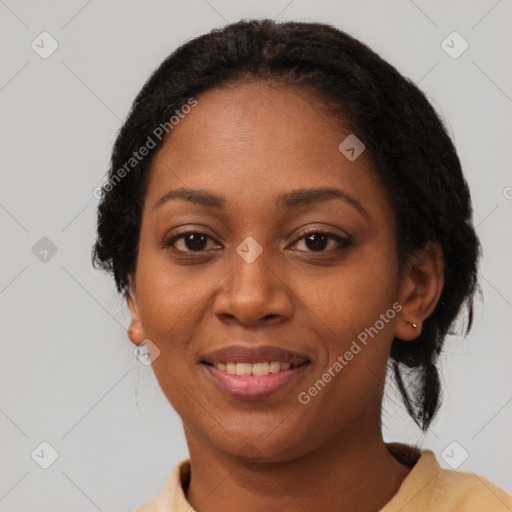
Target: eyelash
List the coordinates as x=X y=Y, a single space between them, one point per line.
x=344 y=242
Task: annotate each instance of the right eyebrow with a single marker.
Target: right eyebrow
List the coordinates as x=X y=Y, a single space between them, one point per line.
x=197 y=196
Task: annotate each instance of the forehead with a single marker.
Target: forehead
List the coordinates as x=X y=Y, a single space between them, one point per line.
x=249 y=142
x=242 y=120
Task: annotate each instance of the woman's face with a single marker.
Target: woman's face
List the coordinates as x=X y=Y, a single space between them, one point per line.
x=259 y=287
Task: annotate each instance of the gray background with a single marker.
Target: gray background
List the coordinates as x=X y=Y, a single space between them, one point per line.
x=68 y=373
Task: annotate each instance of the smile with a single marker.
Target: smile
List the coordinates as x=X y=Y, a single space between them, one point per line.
x=255 y=369
x=254 y=381
x=252 y=372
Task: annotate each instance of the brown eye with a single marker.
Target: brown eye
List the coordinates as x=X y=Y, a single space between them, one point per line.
x=318 y=241
x=192 y=241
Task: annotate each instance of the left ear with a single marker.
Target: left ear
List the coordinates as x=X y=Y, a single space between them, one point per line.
x=420 y=289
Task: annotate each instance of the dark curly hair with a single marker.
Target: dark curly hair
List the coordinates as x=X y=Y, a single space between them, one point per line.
x=412 y=154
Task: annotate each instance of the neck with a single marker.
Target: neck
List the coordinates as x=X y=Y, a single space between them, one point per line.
x=352 y=473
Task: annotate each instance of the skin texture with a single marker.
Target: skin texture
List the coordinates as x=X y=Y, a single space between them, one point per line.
x=250 y=142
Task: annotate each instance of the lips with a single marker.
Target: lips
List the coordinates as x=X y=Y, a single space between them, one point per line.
x=252 y=355
x=251 y=373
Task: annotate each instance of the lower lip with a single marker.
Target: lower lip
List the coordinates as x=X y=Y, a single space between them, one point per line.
x=251 y=387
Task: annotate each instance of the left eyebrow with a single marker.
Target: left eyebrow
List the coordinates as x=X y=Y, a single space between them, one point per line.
x=293 y=199
x=306 y=196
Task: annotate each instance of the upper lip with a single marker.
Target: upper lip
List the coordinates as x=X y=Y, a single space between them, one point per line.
x=261 y=354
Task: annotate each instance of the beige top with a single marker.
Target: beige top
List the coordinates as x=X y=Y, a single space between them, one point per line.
x=427 y=488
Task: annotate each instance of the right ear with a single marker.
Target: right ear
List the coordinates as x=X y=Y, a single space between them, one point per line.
x=135 y=330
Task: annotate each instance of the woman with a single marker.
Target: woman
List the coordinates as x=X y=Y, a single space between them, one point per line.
x=288 y=219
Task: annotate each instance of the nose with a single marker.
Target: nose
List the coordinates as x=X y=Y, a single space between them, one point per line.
x=253 y=292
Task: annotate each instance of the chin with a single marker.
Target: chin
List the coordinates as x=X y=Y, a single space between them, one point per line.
x=262 y=448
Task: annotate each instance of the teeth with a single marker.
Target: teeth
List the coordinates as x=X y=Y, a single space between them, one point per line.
x=260 y=369
x=243 y=368
x=257 y=369
x=275 y=366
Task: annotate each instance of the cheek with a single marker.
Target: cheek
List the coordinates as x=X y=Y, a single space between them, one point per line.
x=355 y=295
x=357 y=329
x=353 y=309
x=170 y=315
x=169 y=293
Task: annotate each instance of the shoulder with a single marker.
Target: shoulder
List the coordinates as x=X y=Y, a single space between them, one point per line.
x=152 y=505
x=172 y=496
x=468 y=492
x=429 y=488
